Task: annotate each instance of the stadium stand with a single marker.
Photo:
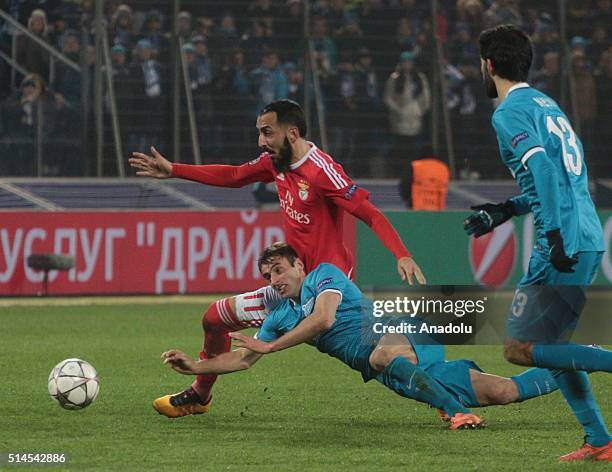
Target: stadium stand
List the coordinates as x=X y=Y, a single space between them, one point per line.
x=244 y=52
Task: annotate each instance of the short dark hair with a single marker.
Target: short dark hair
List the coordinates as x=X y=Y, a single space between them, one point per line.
x=278 y=249
x=287 y=112
x=509 y=50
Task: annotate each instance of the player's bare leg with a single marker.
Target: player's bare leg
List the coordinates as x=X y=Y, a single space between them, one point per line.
x=492 y=389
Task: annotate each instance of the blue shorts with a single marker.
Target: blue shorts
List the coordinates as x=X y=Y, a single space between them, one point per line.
x=547 y=304
x=454 y=376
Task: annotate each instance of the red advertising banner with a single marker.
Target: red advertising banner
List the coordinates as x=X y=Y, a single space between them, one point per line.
x=140 y=252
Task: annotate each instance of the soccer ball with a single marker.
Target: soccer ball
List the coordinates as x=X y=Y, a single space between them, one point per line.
x=73 y=384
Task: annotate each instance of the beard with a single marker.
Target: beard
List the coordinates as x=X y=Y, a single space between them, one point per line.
x=489 y=84
x=282 y=161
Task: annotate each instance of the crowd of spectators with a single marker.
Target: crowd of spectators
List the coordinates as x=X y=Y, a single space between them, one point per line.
x=375 y=61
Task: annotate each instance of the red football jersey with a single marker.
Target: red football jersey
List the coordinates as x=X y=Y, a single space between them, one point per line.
x=313 y=195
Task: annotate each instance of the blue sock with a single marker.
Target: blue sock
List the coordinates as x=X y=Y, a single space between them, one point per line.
x=409 y=380
x=577 y=391
x=534 y=383
x=572 y=357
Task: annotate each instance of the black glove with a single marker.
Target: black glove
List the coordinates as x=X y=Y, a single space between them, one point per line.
x=487 y=217
x=561 y=261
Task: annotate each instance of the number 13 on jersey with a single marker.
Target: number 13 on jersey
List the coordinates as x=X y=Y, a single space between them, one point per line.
x=563 y=130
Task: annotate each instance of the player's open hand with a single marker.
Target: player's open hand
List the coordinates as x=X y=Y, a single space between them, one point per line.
x=408 y=269
x=156 y=166
x=250 y=343
x=180 y=362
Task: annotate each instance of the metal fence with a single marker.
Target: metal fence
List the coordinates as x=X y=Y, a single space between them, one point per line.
x=382 y=81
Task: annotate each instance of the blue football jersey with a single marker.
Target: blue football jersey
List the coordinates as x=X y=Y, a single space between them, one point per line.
x=343 y=340
x=528 y=123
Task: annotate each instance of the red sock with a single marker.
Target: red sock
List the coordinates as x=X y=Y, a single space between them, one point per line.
x=217 y=322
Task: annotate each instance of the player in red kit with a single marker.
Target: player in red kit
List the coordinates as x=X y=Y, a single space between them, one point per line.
x=314 y=192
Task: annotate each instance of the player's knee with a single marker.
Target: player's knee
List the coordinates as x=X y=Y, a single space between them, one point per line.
x=379 y=358
x=382 y=356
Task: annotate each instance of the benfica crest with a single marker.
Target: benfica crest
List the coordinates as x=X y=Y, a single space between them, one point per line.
x=303 y=192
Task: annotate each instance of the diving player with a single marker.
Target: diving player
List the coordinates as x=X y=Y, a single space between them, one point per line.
x=327 y=310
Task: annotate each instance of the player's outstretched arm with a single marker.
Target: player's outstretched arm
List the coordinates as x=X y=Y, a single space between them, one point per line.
x=156 y=165
x=322 y=318
x=219 y=175
x=240 y=359
x=407 y=268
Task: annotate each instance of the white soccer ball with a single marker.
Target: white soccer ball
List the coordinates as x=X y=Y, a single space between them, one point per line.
x=73 y=384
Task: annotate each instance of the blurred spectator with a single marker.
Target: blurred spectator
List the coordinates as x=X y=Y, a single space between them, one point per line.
x=203 y=27
x=260 y=9
x=578 y=18
x=370 y=111
x=184 y=25
x=204 y=68
x=341 y=99
x=325 y=51
x=464 y=48
x=599 y=43
x=545 y=40
x=290 y=24
x=233 y=96
x=374 y=18
x=503 y=12
x=67 y=81
x=121 y=84
x=121 y=27
x=254 y=42
x=585 y=96
x=269 y=81
x=265 y=12
x=59 y=24
x=334 y=12
x=203 y=91
x=152 y=30
x=406 y=39
x=192 y=70
x=32 y=110
x=471 y=12
x=408 y=98
x=349 y=36
x=578 y=44
x=30 y=55
x=548 y=78
x=224 y=38
x=295 y=82
x=146 y=77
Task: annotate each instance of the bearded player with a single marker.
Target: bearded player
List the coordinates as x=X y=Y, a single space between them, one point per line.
x=314 y=193
x=545 y=156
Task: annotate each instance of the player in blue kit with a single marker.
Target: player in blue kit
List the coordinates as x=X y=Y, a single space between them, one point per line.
x=327 y=310
x=545 y=156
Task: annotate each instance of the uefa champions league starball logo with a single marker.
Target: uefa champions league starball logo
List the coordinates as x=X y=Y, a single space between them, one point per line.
x=492 y=256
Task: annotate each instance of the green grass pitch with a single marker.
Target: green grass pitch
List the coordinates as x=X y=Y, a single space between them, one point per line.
x=294 y=410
